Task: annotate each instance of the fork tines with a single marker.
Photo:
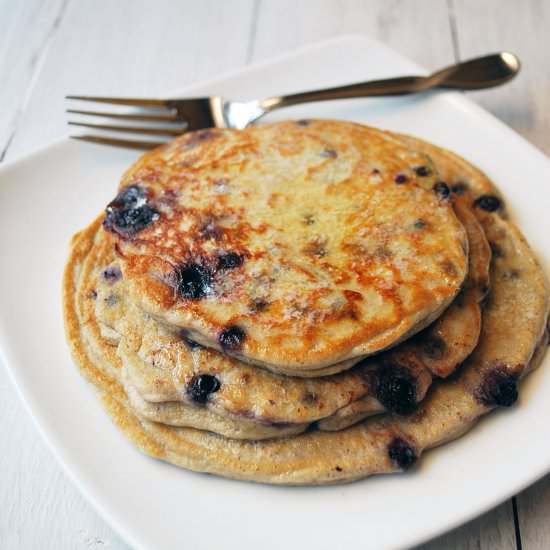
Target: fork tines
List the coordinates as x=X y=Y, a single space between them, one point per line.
x=162 y=114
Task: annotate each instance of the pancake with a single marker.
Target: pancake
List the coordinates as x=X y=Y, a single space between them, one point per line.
x=102 y=351
x=507 y=350
x=279 y=244
x=445 y=344
x=466 y=181
x=246 y=395
x=162 y=366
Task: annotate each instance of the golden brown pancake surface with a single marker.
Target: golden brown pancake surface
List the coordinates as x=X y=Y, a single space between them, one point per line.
x=291 y=246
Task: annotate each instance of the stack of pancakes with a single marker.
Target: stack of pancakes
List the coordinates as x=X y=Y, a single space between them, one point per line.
x=303 y=302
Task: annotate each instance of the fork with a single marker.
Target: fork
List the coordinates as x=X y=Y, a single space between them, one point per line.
x=176 y=116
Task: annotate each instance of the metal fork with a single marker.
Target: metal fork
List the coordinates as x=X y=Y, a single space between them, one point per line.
x=176 y=116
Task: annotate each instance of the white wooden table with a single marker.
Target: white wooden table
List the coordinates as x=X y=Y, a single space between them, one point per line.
x=49 y=48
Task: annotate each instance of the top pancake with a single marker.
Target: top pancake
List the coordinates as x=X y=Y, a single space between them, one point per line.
x=294 y=245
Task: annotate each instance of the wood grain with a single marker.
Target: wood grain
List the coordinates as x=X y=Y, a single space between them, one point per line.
x=132 y=48
x=139 y=47
x=521 y=27
x=533 y=512
x=25 y=37
x=285 y=25
x=491 y=531
x=39 y=507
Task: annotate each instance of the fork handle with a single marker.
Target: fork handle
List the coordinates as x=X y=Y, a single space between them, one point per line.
x=475 y=74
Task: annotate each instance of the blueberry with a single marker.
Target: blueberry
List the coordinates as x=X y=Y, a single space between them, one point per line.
x=459 y=188
x=231 y=338
x=459 y=301
x=499 y=387
x=129 y=212
x=422 y=171
x=512 y=274
x=258 y=304
x=434 y=347
x=195 y=138
x=111 y=274
x=401 y=178
x=419 y=224
x=229 y=260
x=202 y=386
x=128 y=197
x=395 y=388
x=329 y=153
x=489 y=203
x=303 y=122
x=402 y=453
x=280 y=425
x=496 y=250
x=194 y=281
x=210 y=230
x=441 y=189
x=112 y=300
x=310 y=398
x=189 y=342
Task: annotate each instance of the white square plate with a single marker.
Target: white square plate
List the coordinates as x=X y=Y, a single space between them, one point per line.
x=47 y=196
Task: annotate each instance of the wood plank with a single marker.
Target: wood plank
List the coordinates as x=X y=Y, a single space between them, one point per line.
x=124 y=47
x=40 y=507
x=132 y=48
x=27 y=29
x=287 y=24
x=491 y=531
x=524 y=104
x=533 y=514
x=521 y=27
